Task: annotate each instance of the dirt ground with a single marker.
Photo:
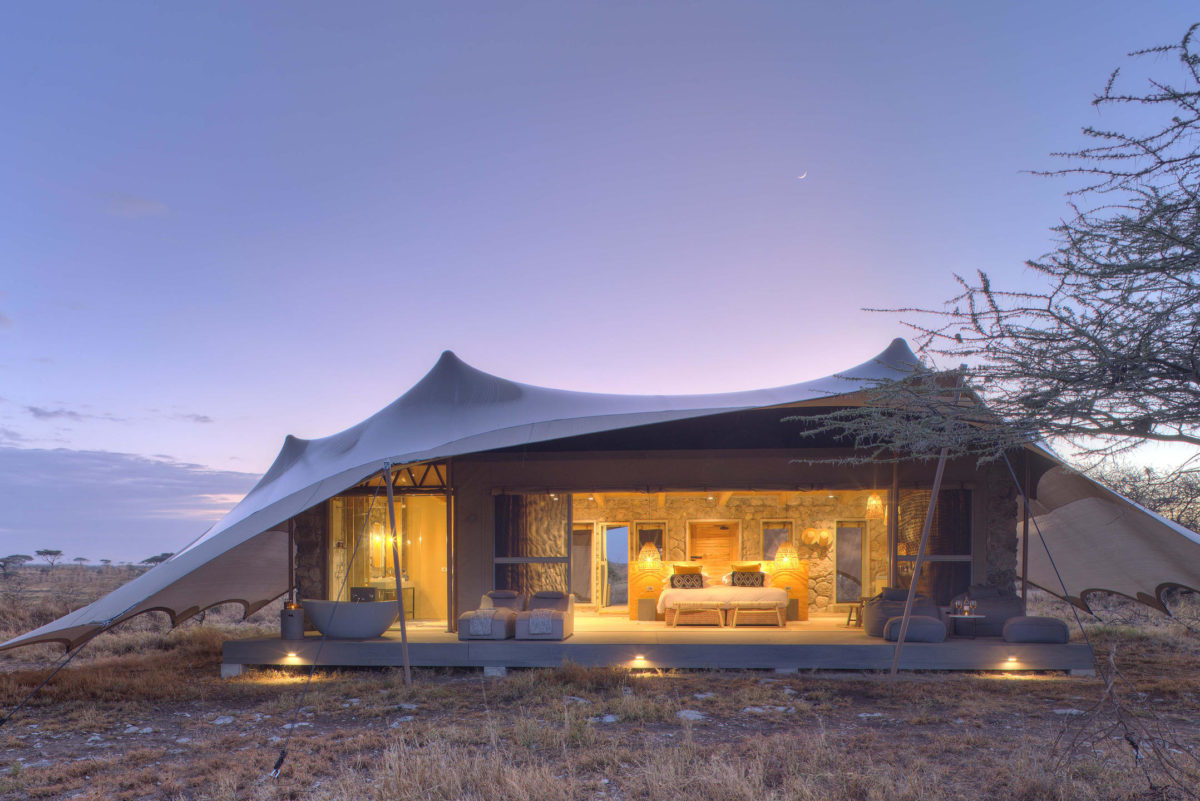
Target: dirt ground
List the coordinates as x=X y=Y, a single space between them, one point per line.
x=143 y=714
x=161 y=724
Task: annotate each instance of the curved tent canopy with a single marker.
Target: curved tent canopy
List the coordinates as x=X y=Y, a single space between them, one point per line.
x=1103 y=542
x=1100 y=540
x=453 y=411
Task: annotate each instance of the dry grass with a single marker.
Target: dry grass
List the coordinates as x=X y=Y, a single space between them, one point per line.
x=145 y=717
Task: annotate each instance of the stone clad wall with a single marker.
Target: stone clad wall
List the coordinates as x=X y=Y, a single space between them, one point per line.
x=803 y=509
x=312 y=535
x=1001 y=515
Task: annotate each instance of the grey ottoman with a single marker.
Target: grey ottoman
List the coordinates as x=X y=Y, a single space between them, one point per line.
x=501 y=626
x=921 y=628
x=1036 y=629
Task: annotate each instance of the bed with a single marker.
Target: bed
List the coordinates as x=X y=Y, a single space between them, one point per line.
x=718 y=600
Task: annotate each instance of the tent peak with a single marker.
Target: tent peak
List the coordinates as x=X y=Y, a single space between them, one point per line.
x=900 y=355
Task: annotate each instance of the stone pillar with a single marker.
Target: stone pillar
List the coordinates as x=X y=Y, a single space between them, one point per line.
x=312 y=547
x=1000 y=524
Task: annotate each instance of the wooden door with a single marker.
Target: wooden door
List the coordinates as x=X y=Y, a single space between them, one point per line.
x=715 y=545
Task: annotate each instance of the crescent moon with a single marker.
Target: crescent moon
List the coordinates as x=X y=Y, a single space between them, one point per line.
x=802 y=176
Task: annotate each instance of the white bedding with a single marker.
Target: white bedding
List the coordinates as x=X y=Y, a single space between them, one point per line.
x=722 y=594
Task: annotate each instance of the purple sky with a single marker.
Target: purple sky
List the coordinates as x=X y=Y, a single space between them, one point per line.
x=223 y=223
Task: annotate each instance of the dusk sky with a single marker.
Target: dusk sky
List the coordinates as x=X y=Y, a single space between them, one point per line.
x=226 y=222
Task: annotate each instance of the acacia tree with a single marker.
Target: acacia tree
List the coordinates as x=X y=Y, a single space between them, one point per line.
x=50 y=555
x=9 y=564
x=157 y=559
x=1107 y=353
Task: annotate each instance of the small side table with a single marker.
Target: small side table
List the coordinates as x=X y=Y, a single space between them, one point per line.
x=974 y=622
x=647 y=609
x=854 y=614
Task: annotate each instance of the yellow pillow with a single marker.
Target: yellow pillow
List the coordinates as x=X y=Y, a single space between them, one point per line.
x=745 y=567
x=684 y=570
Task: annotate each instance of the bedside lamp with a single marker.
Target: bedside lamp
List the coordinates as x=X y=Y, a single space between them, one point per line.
x=792 y=575
x=786 y=557
x=649 y=561
x=649 y=558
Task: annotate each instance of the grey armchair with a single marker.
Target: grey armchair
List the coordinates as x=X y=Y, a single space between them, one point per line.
x=495 y=619
x=550 y=616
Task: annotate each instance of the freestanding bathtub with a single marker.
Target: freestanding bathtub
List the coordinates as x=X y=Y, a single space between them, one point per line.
x=351 y=620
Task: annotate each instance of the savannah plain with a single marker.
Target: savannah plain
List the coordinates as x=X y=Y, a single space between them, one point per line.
x=142 y=714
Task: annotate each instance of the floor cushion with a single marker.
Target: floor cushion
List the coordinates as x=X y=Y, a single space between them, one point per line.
x=1036 y=629
x=921 y=628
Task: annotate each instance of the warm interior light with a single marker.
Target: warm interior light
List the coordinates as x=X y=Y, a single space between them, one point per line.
x=809 y=536
x=649 y=557
x=786 y=556
x=874 y=507
x=291 y=654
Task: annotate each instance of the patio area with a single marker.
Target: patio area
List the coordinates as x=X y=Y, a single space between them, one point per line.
x=823 y=642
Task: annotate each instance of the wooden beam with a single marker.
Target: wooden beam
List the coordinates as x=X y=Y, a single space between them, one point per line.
x=661 y=499
x=723 y=498
x=599 y=499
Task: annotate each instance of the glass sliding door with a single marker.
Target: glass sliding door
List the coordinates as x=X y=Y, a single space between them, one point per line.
x=849 y=558
x=947 y=568
x=581 y=562
x=531 y=543
x=360 y=564
x=616 y=565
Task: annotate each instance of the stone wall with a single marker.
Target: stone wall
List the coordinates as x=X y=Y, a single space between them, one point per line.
x=1000 y=524
x=818 y=509
x=312 y=536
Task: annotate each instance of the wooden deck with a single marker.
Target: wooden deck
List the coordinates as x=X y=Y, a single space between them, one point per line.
x=820 y=644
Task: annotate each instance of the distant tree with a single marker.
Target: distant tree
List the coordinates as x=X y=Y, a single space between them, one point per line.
x=1174 y=495
x=10 y=563
x=51 y=556
x=80 y=560
x=1106 y=353
x=105 y=562
x=157 y=560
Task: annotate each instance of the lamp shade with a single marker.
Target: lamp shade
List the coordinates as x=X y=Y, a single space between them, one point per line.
x=649 y=557
x=875 y=509
x=786 y=556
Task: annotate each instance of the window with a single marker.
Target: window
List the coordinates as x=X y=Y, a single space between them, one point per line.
x=947 y=569
x=848 y=561
x=774 y=534
x=531 y=543
x=652 y=533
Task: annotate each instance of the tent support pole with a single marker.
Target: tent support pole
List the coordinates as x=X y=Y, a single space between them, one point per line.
x=1024 y=490
x=912 y=586
x=451 y=589
x=292 y=560
x=391 y=501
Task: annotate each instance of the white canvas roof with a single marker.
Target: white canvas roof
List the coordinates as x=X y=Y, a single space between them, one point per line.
x=1101 y=541
x=456 y=410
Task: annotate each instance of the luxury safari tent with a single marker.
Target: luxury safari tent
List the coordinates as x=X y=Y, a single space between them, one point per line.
x=516 y=525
